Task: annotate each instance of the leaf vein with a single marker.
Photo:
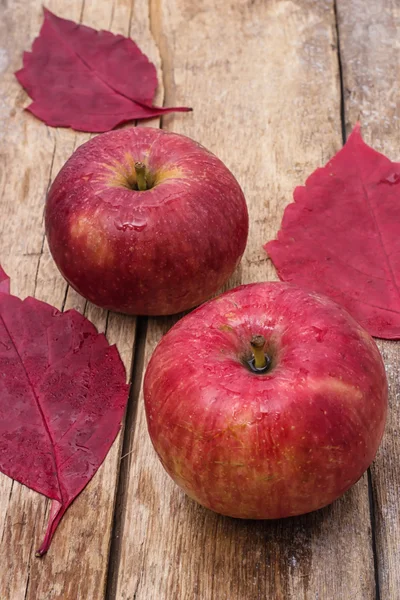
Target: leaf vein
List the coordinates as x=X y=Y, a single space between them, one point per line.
x=35 y=395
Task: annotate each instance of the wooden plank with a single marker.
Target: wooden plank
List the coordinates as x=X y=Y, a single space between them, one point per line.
x=263 y=80
x=76 y=566
x=28 y=149
x=369 y=41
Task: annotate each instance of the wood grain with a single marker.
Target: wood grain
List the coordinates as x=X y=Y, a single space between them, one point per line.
x=76 y=565
x=369 y=43
x=263 y=80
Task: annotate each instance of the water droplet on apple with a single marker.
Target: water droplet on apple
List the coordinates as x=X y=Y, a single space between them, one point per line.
x=135 y=224
x=87 y=177
x=319 y=333
x=391 y=179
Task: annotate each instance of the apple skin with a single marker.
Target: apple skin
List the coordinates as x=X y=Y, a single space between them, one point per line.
x=155 y=252
x=272 y=445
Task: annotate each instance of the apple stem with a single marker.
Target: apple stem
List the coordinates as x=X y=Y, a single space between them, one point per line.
x=257 y=343
x=140 y=169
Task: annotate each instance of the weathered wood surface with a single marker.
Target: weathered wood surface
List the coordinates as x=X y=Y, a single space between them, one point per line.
x=263 y=79
x=369 y=42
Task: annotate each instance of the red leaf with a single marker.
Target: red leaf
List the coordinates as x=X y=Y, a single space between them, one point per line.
x=4 y=282
x=86 y=79
x=341 y=236
x=62 y=398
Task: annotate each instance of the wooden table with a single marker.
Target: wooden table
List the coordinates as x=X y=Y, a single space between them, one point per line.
x=276 y=85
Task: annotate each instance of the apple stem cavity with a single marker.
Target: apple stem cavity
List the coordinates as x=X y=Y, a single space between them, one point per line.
x=257 y=343
x=140 y=169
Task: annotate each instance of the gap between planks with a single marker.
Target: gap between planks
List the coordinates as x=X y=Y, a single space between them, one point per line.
x=371 y=501
x=125 y=458
x=138 y=362
x=341 y=82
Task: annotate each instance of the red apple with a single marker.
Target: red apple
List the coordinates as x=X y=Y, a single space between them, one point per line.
x=160 y=249
x=282 y=441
